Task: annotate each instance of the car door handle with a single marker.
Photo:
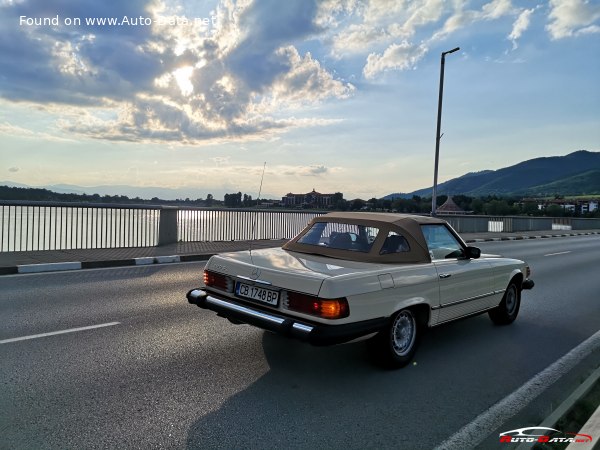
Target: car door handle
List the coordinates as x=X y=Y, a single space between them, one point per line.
x=445 y=275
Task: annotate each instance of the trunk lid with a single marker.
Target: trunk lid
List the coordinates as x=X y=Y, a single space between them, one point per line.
x=294 y=271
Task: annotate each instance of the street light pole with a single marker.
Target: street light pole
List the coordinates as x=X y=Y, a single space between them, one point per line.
x=438 y=136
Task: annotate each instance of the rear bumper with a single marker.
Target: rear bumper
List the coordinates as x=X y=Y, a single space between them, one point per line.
x=314 y=333
x=528 y=284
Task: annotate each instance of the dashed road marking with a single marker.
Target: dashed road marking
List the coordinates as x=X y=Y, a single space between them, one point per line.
x=559 y=253
x=54 y=333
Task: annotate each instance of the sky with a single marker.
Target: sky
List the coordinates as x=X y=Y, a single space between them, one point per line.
x=333 y=95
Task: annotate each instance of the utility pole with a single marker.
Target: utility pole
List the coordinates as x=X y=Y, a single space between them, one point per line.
x=438 y=134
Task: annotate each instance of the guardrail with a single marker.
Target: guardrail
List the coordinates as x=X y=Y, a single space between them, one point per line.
x=32 y=226
x=27 y=226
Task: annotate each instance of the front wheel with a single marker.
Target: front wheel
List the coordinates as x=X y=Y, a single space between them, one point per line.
x=508 y=309
x=395 y=346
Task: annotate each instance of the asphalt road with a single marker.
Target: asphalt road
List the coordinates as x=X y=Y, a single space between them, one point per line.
x=169 y=375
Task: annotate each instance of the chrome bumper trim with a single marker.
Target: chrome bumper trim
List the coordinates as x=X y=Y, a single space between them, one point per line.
x=302 y=327
x=314 y=333
x=458 y=302
x=243 y=310
x=197 y=293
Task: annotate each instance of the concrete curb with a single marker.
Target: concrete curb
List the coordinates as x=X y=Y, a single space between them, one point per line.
x=78 y=265
x=47 y=267
x=565 y=406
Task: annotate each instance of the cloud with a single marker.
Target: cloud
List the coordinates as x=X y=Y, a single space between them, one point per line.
x=245 y=76
x=520 y=26
x=572 y=17
x=162 y=82
x=400 y=31
x=73 y=64
x=9 y=129
x=379 y=22
x=305 y=171
x=462 y=18
x=13 y=169
x=397 y=56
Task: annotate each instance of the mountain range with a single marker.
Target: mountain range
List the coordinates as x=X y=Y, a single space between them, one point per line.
x=577 y=173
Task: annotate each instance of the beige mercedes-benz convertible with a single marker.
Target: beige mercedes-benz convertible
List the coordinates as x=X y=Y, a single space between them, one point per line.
x=386 y=277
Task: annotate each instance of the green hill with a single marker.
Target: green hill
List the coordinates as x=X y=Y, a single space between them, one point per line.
x=587 y=183
x=577 y=173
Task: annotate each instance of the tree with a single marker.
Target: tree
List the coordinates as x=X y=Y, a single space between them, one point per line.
x=357 y=204
x=338 y=202
x=530 y=208
x=209 y=200
x=373 y=203
x=233 y=200
x=477 y=206
x=555 y=211
x=497 y=208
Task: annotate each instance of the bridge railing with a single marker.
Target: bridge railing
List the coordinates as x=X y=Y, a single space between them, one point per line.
x=27 y=226
x=33 y=226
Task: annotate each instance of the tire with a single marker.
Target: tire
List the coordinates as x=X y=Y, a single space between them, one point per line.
x=508 y=309
x=395 y=346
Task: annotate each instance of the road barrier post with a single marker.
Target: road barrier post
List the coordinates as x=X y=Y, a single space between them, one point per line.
x=167 y=226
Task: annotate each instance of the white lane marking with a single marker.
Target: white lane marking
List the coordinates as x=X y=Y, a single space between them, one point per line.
x=559 y=253
x=54 y=333
x=479 y=429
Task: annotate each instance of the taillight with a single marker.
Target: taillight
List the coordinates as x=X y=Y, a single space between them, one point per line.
x=326 y=308
x=216 y=280
x=527 y=271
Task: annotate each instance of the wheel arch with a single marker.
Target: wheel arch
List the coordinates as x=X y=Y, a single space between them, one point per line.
x=517 y=277
x=419 y=306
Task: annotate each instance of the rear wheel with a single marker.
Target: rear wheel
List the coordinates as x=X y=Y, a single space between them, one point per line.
x=508 y=309
x=395 y=346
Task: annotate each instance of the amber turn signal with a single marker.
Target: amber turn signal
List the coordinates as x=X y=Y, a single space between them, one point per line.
x=325 y=308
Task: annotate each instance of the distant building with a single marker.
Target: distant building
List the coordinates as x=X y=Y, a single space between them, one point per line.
x=449 y=207
x=574 y=205
x=312 y=199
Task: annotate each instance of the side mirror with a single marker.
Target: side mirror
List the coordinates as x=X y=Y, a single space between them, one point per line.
x=473 y=252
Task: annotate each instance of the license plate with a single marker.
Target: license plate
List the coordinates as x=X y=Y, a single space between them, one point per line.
x=257 y=293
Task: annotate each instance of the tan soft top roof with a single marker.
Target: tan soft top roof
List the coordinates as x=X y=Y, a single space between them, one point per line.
x=381 y=217
x=407 y=225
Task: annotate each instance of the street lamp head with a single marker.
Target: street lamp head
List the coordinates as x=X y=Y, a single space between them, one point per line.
x=452 y=51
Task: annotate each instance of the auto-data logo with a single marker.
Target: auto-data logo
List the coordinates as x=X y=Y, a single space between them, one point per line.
x=548 y=435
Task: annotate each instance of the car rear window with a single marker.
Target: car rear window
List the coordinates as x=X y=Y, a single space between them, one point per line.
x=341 y=236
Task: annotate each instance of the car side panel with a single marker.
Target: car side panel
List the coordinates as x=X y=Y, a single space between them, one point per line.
x=411 y=286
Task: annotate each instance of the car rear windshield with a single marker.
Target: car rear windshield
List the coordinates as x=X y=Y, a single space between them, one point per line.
x=342 y=236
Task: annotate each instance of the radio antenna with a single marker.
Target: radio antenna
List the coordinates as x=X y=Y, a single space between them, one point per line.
x=255 y=216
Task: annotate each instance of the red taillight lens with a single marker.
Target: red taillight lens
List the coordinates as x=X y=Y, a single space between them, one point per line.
x=326 y=308
x=216 y=280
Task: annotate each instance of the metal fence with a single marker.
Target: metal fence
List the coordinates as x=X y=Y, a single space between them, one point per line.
x=238 y=225
x=31 y=226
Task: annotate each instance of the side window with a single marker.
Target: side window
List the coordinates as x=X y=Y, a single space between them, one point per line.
x=394 y=243
x=441 y=243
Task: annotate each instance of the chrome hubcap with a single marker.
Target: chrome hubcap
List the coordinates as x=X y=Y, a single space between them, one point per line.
x=511 y=300
x=403 y=333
